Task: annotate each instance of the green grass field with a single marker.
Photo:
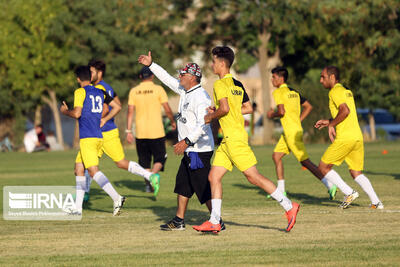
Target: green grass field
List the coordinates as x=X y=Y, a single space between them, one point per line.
x=323 y=236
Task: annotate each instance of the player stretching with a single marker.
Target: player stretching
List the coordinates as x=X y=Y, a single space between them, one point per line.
x=88 y=109
x=111 y=143
x=289 y=103
x=347 y=140
x=232 y=102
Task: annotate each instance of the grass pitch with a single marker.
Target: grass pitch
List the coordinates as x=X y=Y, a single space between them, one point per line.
x=324 y=235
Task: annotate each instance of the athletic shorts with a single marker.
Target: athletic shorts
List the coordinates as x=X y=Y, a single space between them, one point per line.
x=151 y=148
x=292 y=143
x=234 y=152
x=190 y=181
x=89 y=151
x=351 y=151
x=112 y=145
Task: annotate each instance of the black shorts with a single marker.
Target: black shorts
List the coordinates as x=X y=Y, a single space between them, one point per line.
x=151 y=148
x=190 y=181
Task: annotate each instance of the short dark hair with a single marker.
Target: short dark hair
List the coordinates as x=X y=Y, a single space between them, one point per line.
x=225 y=53
x=333 y=70
x=98 y=65
x=83 y=73
x=281 y=72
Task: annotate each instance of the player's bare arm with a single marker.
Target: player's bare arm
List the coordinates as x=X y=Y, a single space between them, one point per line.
x=169 y=114
x=247 y=108
x=116 y=108
x=129 y=135
x=279 y=113
x=73 y=113
x=306 y=109
x=220 y=112
x=145 y=59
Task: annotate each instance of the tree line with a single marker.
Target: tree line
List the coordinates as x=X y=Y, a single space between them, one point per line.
x=42 y=41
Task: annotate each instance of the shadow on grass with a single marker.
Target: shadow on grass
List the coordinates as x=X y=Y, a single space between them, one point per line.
x=394 y=175
x=301 y=197
x=137 y=185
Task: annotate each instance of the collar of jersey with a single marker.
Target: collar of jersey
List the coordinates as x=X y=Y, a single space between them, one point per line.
x=228 y=75
x=193 y=88
x=337 y=85
x=283 y=85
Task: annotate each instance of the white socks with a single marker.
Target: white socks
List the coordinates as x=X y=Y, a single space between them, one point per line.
x=326 y=183
x=103 y=182
x=281 y=185
x=283 y=201
x=335 y=178
x=365 y=184
x=215 y=211
x=80 y=191
x=88 y=181
x=135 y=168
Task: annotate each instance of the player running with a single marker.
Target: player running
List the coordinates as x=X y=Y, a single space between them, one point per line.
x=347 y=140
x=292 y=109
x=232 y=102
x=88 y=109
x=111 y=142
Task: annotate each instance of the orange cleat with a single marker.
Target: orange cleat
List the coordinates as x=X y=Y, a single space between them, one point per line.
x=291 y=216
x=207 y=226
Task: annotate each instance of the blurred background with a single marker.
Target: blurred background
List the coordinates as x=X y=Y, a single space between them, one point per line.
x=41 y=42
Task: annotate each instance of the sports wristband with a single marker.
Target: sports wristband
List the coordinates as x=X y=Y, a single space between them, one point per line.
x=187 y=141
x=128 y=131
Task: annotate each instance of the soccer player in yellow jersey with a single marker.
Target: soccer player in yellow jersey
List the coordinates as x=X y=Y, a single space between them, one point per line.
x=347 y=140
x=232 y=102
x=292 y=109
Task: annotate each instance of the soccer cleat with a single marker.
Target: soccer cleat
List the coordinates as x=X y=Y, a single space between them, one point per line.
x=155 y=182
x=349 y=199
x=207 y=226
x=173 y=225
x=118 y=205
x=332 y=192
x=291 y=216
x=378 y=206
x=221 y=222
x=72 y=211
x=86 y=197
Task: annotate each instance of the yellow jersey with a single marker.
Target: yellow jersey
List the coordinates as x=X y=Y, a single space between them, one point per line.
x=232 y=124
x=148 y=98
x=291 y=100
x=348 y=129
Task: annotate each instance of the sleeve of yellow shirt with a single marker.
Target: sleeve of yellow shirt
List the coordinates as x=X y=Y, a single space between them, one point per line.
x=277 y=97
x=131 y=99
x=79 y=97
x=338 y=97
x=220 y=89
x=162 y=95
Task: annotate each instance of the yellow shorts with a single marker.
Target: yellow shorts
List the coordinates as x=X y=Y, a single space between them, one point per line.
x=89 y=151
x=234 y=152
x=112 y=145
x=292 y=143
x=352 y=151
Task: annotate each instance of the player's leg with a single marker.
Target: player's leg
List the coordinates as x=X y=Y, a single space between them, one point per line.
x=80 y=185
x=144 y=157
x=277 y=158
x=281 y=149
x=355 y=161
x=291 y=208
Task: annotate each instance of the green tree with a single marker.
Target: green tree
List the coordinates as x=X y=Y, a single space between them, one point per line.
x=31 y=63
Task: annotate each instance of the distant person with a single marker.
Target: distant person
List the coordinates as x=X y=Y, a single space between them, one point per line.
x=146 y=100
x=347 y=140
x=5 y=144
x=292 y=109
x=52 y=141
x=232 y=102
x=32 y=142
x=89 y=103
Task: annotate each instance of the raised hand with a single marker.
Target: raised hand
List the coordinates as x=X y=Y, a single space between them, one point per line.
x=145 y=60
